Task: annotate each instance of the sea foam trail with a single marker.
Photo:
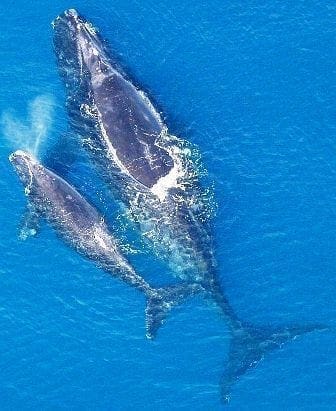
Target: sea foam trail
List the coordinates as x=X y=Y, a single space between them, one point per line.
x=29 y=134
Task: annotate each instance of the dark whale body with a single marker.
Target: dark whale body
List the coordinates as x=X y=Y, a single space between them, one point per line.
x=82 y=227
x=150 y=172
x=124 y=113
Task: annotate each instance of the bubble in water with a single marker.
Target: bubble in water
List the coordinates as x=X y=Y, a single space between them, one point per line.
x=29 y=134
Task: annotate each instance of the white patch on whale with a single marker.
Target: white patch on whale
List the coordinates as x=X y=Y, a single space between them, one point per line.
x=99 y=235
x=170 y=180
x=90 y=28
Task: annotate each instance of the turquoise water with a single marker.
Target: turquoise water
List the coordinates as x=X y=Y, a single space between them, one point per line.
x=253 y=85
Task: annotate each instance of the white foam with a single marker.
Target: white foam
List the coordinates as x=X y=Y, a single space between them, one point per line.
x=178 y=175
x=171 y=180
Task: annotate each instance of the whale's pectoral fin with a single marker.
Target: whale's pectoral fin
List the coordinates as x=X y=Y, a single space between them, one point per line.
x=249 y=345
x=30 y=222
x=164 y=299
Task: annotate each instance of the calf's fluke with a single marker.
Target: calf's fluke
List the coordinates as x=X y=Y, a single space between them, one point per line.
x=159 y=305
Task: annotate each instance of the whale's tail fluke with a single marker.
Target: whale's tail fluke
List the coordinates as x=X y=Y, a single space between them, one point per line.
x=249 y=345
x=161 y=301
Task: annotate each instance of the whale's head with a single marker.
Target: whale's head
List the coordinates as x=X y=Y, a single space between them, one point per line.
x=26 y=165
x=79 y=49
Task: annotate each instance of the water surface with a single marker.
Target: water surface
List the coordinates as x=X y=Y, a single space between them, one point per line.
x=252 y=83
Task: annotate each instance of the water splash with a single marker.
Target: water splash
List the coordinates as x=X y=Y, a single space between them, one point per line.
x=29 y=134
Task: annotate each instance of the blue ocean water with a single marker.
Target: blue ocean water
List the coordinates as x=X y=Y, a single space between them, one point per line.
x=252 y=83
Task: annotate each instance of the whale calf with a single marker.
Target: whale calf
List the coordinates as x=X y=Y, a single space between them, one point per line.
x=153 y=175
x=82 y=227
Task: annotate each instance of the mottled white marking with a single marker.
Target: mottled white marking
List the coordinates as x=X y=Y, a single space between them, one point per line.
x=110 y=147
x=99 y=237
x=149 y=105
x=89 y=27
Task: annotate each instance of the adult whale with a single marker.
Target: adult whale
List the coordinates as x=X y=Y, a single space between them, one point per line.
x=82 y=227
x=153 y=174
